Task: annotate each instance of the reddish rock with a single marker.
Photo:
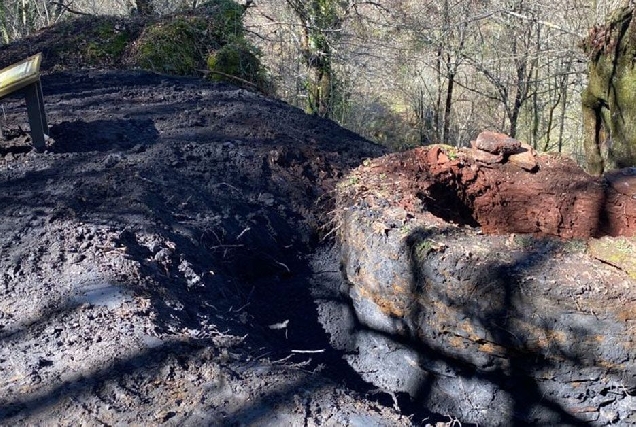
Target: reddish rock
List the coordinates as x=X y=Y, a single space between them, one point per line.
x=436 y=156
x=486 y=158
x=558 y=200
x=527 y=193
x=493 y=147
x=496 y=143
x=525 y=158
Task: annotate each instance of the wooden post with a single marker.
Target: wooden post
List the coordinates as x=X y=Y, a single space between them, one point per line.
x=37 y=116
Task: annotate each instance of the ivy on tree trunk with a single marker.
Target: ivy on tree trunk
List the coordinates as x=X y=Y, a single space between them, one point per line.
x=609 y=100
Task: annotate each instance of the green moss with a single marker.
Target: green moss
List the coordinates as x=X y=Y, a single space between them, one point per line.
x=96 y=41
x=450 y=151
x=211 y=40
x=176 y=47
x=422 y=249
x=109 y=42
x=180 y=44
x=236 y=62
x=575 y=246
x=524 y=240
x=619 y=252
x=424 y=246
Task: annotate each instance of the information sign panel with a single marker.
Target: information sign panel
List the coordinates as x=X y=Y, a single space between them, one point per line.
x=19 y=75
x=26 y=75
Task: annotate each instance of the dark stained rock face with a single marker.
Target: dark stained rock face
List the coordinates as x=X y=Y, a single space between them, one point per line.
x=476 y=294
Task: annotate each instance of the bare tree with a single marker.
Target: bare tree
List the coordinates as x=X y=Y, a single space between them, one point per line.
x=19 y=18
x=405 y=72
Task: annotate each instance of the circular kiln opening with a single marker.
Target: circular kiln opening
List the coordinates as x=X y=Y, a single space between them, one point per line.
x=556 y=199
x=443 y=201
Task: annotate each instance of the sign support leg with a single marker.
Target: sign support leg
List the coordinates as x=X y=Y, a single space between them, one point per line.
x=37 y=116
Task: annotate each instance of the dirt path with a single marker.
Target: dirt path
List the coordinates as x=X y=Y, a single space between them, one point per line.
x=154 y=261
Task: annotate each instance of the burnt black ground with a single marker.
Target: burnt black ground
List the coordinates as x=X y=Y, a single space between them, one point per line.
x=157 y=261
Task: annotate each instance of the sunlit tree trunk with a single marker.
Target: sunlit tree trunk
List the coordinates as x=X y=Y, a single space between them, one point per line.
x=321 y=20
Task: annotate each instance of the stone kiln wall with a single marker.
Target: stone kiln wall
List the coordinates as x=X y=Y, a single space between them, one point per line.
x=492 y=328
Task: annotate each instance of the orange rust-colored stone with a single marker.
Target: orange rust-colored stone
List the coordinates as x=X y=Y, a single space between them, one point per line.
x=525 y=158
x=518 y=193
x=496 y=143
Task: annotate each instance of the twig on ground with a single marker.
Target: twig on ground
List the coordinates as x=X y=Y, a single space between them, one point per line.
x=283 y=265
x=243 y=232
x=229 y=76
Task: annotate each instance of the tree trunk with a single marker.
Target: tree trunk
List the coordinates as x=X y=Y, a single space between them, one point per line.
x=534 y=134
x=439 y=133
x=609 y=110
x=593 y=134
x=144 y=7
x=315 y=18
x=564 y=104
x=447 y=107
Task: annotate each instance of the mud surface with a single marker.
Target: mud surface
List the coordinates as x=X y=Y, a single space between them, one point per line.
x=157 y=261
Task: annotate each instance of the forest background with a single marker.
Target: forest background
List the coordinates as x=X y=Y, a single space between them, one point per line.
x=402 y=73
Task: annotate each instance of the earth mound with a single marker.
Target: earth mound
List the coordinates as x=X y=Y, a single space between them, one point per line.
x=154 y=260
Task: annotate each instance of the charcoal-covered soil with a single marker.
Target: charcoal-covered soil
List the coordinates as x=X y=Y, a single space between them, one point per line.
x=157 y=261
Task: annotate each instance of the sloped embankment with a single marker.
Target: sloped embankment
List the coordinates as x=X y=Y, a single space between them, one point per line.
x=129 y=249
x=470 y=275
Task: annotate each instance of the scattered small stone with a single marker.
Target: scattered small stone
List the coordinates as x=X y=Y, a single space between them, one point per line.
x=266 y=199
x=111 y=160
x=486 y=158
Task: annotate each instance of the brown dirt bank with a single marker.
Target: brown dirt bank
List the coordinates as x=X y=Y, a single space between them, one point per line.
x=544 y=195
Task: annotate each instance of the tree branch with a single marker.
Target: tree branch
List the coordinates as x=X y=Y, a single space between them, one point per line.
x=67 y=8
x=546 y=23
